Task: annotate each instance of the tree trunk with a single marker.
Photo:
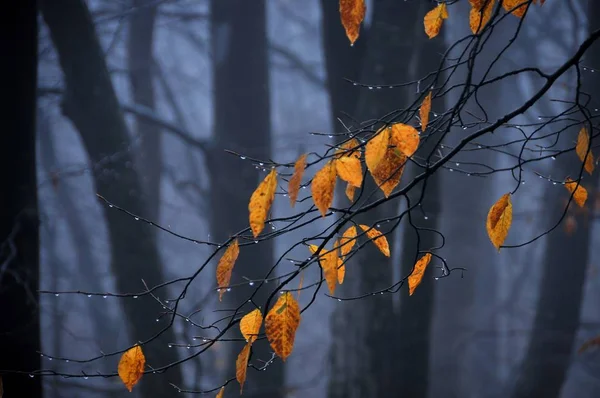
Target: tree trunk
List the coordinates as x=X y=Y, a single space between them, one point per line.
x=19 y=237
x=91 y=104
x=241 y=99
x=141 y=65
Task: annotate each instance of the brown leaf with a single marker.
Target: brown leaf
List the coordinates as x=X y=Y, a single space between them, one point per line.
x=323 y=187
x=250 y=325
x=352 y=13
x=378 y=239
x=583 y=148
x=349 y=169
x=580 y=195
x=434 y=19
x=424 y=111
x=131 y=366
x=416 y=276
x=261 y=201
x=225 y=267
x=499 y=220
x=241 y=365
x=296 y=179
x=281 y=324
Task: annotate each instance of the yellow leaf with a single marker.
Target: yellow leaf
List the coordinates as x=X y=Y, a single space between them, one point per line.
x=349 y=169
x=580 y=195
x=405 y=138
x=300 y=284
x=481 y=12
x=583 y=148
x=348 y=240
x=352 y=13
x=376 y=148
x=281 y=324
x=131 y=366
x=424 y=111
x=221 y=392
x=499 y=220
x=378 y=238
x=519 y=12
x=389 y=171
x=323 y=187
x=341 y=271
x=296 y=179
x=348 y=148
x=250 y=325
x=329 y=263
x=313 y=248
x=434 y=19
x=241 y=365
x=261 y=201
x=350 y=192
x=416 y=276
x=225 y=267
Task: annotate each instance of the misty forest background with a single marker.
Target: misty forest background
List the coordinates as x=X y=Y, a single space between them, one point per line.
x=202 y=88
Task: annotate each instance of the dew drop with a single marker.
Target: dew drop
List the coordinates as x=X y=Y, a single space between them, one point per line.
x=370 y=87
x=553 y=157
x=89 y=295
x=340 y=300
x=111 y=206
x=451 y=170
x=426 y=218
x=86 y=377
x=135 y=297
x=457 y=164
x=251 y=283
x=261 y=164
x=31 y=376
x=255 y=241
x=57 y=294
x=170 y=346
x=243 y=157
x=104 y=296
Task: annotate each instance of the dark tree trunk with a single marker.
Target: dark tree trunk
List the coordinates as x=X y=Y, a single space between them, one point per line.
x=242 y=124
x=141 y=64
x=91 y=104
x=19 y=247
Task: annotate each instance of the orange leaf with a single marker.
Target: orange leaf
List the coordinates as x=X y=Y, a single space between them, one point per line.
x=261 y=201
x=583 y=148
x=376 y=148
x=378 y=238
x=348 y=148
x=241 y=365
x=225 y=267
x=296 y=179
x=323 y=187
x=348 y=240
x=349 y=169
x=329 y=264
x=388 y=173
x=221 y=392
x=341 y=272
x=499 y=220
x=481 y=12
x=250 y=325
x=416 y=276
x=281 y=324
x=131 y=366
x=350 y=192
x=352 y=13
x=580 y=195
x=424 y=111
x=405 y=138
x=519 y=12
x=434 y=19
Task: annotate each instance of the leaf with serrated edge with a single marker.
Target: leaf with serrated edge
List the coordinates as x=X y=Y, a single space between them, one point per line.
x=241 y=366
x=250 y=325
x=281 y=324
x=349 y=169
x=225 y=267
x=352 y=13
x=378 y=239
x=323 y=187
x=131 y=366
x=416 y=276
x=580 y=195
x=583 y=148
x=499 y=220
x=296 y=179
x=434 y=19
x=261 y=201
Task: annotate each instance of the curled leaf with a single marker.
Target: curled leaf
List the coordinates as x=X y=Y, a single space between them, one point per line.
x=241 y=365
x=378 y=239
x=323 y=187
x=261 y=201
x=424 y=111
x=499 y=220
x=583 y=148
x=580 y=193
x=250 y=325
x=416 y=276
x=349 y=169
x=352 y=13
x=225 y=267
x=131 y=366
x=296 y=179
x=434 y=19
x=281 y=324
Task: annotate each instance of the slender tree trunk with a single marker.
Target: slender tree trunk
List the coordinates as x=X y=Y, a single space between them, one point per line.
x=91 y=104
x=141 y=64
x=19 y=239
x=241 y=99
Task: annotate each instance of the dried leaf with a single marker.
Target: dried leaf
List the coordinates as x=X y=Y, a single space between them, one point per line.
x=296 y=179
x=350 y=192
x=583 y=148
x=349 y=169
x=352 y=13
x=378 y=238
x=261 y=201
x=589 y=344
x=250 y=325
x=519 y=12
x=416 y=276
x=348 y=240
x=580 y=195
x=221 y=392
x=281 y=324
x=323 y=187
x=241 y=365
x=225 y=267
x=131 y=366
x=405 y=138
x=481 y=12
x=376 y=148
x=499 y=220
x=434 y=19
x=424 y=111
